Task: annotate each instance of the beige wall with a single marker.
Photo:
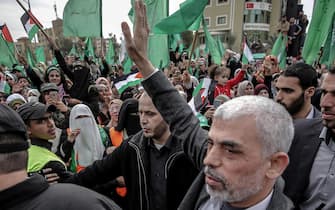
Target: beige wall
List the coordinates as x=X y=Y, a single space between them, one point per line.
x=234 y=11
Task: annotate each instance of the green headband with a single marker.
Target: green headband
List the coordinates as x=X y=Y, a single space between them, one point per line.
x=51 y=68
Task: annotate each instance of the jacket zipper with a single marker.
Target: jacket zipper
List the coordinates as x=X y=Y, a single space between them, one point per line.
x=141 y=167
x=169 y=161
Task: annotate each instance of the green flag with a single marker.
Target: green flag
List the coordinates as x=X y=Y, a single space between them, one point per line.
x=110 y=56
x=127 y=64
x=279 y=50
x=4 y=87
x=158 y=51
x=7 y=56
x=89 y=50
x=282 y=59
x=277 y=45
x=54 y=61
x=83 y=18
x=7 y=48
x=212 y=45
x=40 y=56
x=328 y=55
x=131 y=11
x=30 y=59
x=220 y=46
x=73 y=50
x=188 y=17
x=321 y=24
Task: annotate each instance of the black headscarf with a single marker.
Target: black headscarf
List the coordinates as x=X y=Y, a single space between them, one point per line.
x=128 y=117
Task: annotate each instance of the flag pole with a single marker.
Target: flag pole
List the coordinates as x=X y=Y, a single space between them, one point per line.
x=101 y=34
x=195 y=37
x=36 y=22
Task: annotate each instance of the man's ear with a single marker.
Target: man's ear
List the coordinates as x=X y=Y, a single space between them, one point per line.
x=28 y=130
x=278 y=163
x=309 y=92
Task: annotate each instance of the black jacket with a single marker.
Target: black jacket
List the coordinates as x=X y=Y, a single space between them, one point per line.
x=35 y=193
x=80 y=76
x=131 y=161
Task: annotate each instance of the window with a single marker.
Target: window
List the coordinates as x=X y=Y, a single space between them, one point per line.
x=257 y=16
x=222 y=1
x=221 y=20
x=209 y=2
x=207 y=21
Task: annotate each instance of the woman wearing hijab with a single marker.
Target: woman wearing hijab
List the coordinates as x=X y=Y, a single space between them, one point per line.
x=245 y=88
x=53 y=74
x=89 y=144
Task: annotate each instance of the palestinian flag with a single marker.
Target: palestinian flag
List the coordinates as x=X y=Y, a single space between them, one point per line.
x=247 y=56
x=30 y=23
x=5 y=33
x=7 y=48
x=200 y=95
x=129 y=80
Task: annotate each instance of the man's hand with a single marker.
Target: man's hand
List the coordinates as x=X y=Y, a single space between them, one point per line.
x=73 y=135
x=52 y=178
x=137 y=46
x=210 y=113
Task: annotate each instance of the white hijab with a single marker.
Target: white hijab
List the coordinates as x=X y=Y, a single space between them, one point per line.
x=88 y=146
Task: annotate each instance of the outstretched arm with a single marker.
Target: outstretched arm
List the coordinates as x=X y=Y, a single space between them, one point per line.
x=137 y=46
x=173 y=108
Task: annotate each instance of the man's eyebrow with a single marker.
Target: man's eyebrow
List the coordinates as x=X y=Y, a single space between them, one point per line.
x=227 y=143
x=230 y=143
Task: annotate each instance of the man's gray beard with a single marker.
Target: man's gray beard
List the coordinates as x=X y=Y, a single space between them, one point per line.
x=230 y=195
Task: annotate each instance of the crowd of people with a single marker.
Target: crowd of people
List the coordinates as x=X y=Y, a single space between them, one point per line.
x=267 y=142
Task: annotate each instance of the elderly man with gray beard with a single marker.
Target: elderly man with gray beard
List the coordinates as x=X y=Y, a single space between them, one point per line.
x=243 y=155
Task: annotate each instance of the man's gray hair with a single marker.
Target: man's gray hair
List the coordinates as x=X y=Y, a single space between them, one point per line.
x=274 y=124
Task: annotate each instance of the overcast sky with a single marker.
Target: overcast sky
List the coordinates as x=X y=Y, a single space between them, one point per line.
x=114 y=12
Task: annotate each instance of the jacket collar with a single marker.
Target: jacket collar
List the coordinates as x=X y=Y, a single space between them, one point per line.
x=23 y=191
x=41 y=143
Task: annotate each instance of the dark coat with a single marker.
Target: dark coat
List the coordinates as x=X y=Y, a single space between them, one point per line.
x=131 y=161
x=303 y=150
x=35 y=193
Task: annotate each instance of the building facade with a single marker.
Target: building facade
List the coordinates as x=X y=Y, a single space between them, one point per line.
x=230 y=20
